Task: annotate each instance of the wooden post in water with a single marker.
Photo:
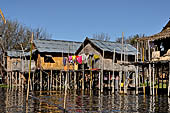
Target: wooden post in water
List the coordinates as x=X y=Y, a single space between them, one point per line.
x=109 y=81
x=169 y=80
x=113 y=75
x=99 y=80
x=153 y=80
x=7 y=79
x=102 y=74
x=51 y=79
x=33 y=80
x=65 y=94
x=16 y=79
x=137 y=70
x=150 y=68
x=75 y=84
x=40 y=80
x=56 y=81
x=60 y=80
x=29 y=68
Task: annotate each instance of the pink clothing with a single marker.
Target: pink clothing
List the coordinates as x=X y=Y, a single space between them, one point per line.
x=70 y=58
x=79 y=59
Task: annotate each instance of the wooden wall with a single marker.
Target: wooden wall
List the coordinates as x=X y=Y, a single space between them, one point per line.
x=55 y=64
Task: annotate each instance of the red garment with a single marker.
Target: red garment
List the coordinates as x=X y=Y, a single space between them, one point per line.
x=79 y=59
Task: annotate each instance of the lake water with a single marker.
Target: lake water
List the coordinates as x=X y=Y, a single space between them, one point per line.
x=14 y=101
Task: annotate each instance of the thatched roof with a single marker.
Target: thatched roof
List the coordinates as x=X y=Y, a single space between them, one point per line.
x=165 y=33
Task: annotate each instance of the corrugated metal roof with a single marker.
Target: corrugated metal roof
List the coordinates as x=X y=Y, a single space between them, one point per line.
x=56 y=46
x=18 y=53
x=110 y=46
x=13 y=53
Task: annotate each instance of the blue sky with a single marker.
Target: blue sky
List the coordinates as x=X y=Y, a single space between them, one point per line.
x=77 y=19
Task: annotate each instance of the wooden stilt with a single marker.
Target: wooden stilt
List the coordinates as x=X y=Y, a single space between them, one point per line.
x=40 y=80
x=12 y=80
x=120 y=81
x=149 y=52
x=65 y=95
x=48 y=82
x=109 y=81
x=162 y=77
x=51 y=78
x=153 y=80
x=113 y=75
x=16 y=79
x=137 y=75
x=75 y=85
x=53 y=81
x=143 y=80
x=60 y=80
x=150 y=81
x=102 y=73
x=19 y=80
x=31 y=85
x=56 y=81
x=7 y=79
x=33 y=76
x=169 y=81
x=99 y=80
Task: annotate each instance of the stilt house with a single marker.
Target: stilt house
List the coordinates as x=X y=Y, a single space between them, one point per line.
x=103 y=60
x=155 y=58
x=53 y=54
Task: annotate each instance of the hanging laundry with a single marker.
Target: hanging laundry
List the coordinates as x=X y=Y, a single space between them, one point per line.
x=79 y=59
x=74 y=58
x=65 y=68
x=96 y=56
x=64 y=61
x=83 y=58
x=70 y=58
x=75 y=66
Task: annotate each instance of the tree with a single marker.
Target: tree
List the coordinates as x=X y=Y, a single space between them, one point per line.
x=101 y=36
x=130 y=40
x=13 y=35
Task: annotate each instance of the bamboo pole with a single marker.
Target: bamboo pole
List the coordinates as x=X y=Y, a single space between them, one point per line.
x=29 y=67
x=113 y=75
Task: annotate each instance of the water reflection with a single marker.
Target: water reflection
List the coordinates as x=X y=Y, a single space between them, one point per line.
x=14 y=101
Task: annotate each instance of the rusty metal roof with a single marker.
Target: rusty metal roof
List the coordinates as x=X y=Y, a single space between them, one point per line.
x=54 y=46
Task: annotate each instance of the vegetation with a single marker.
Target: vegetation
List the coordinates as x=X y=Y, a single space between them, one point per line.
x=15 y=36
x=130 y=40
x=101 y=36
